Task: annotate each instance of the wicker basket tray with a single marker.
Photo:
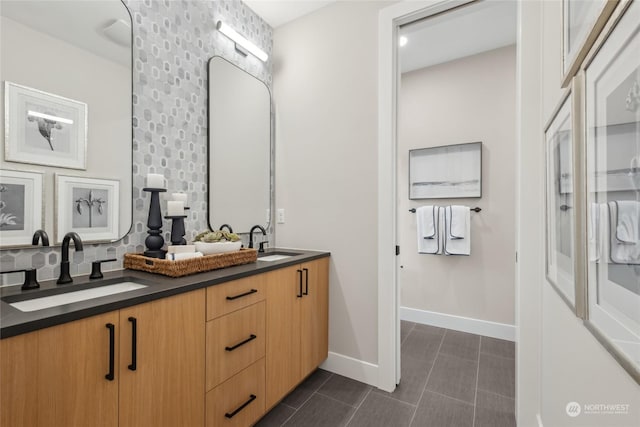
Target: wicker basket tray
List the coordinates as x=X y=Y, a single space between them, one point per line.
x=189 y=266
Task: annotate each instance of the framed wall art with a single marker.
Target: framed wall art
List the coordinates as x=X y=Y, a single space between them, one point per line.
x=43 y=128
x=612 y=119
x=20 y=206
x=88 y=206
x=446 y=172
x=560 y=201
x=582 y=21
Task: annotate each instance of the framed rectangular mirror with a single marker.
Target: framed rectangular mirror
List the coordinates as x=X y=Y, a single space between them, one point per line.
x=239 y=148
x=67 y=106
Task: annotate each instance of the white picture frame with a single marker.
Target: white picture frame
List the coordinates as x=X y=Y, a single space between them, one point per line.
x=612 y=129
x=44 y=129
x=582 y=22
x=560 y=206
x=88 y=206
x=21 y=206
x=446 y=172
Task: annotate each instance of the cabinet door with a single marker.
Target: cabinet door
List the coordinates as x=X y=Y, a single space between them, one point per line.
x=73 y=360
x=283 y=333
x=314 y=335
x=166 y=385
x=18 y=380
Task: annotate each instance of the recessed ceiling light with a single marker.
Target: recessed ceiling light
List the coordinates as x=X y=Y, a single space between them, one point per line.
x=403 y=41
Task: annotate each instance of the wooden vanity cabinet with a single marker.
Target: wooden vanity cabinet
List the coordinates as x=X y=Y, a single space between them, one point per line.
x=57 y=376
x=297 y=325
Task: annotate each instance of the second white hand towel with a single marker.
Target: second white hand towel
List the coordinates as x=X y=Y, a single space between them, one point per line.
x=427 y=229
x=457 y=246
x=459 y=219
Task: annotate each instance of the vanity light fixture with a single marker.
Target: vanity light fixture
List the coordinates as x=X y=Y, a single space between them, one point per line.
x=242 y=44
x=49 y=117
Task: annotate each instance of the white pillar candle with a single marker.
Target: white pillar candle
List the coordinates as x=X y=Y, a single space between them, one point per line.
x=180 y=197
x=175 y=208
x=155 y=180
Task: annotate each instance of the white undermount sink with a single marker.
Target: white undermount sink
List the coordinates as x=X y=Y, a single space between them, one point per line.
x=276 y=257
x=76 y=296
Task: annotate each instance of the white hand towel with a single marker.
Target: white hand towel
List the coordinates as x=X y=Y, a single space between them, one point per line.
x=459 y=218
x=184 y=255
x=427 y=229
x=628 y=224
x=621 y=252
x=457 y=246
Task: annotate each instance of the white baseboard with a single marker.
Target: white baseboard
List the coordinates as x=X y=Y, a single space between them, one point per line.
x=459 y=323
x=349 y=367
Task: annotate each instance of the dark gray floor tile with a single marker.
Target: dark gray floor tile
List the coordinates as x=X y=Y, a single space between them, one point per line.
x=454 y=377
x=498 y=347
x=421 y=344
x=379 y=410
x=405 y=328
x=497 y=375
x=429 y=328
x=413 y=380
x=494 y=411
x=461 y=344
x=441 y=411
x=321 y=411
x=345 y=390
x=301 y=393
x=277 y=416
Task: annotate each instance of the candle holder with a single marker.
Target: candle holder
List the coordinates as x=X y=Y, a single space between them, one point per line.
x=154 y=240
x=177 y=229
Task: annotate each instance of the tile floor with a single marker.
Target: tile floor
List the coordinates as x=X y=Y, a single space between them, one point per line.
x=449 y=378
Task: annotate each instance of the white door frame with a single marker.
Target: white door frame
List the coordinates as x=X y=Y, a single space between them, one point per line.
x=389 y=19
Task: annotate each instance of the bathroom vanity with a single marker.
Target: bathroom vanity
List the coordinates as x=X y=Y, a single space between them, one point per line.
x=215 y=348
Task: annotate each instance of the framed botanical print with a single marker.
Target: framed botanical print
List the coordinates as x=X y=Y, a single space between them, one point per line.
x=582 y=21
x=20 y=206
x=88 y=206
x=612 y=119
x=560 y=201
x=43 y=128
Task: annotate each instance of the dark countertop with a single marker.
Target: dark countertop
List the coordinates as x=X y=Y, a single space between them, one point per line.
x=15 y=322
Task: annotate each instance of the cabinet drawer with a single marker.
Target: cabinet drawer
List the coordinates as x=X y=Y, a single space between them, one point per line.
x=234 y=342
x=232 y=296
x=239 y=401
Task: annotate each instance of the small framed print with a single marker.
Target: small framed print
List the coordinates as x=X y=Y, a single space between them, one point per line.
x=20 y=206
x=88 y=206
x=560 y=202
x=43 y=128
x=582 y=21
x=446 y=172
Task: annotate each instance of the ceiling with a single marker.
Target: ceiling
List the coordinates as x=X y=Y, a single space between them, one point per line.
x=278 y=12
x=467 y=31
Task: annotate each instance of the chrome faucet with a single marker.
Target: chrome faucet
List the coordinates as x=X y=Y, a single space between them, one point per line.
x=65 y=277
x=40 y=235
x=264 y=233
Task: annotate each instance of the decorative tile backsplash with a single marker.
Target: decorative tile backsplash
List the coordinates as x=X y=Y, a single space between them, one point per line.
x=172 y=44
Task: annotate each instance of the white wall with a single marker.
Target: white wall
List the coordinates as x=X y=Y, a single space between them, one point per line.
x=558 y=360
x=467 y=100
x=325 y=94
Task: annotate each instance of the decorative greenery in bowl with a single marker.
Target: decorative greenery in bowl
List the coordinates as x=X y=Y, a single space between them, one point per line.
x=216 y=242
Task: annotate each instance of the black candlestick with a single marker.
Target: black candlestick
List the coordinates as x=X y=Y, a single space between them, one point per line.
x=154 y=240
x=177 y=229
